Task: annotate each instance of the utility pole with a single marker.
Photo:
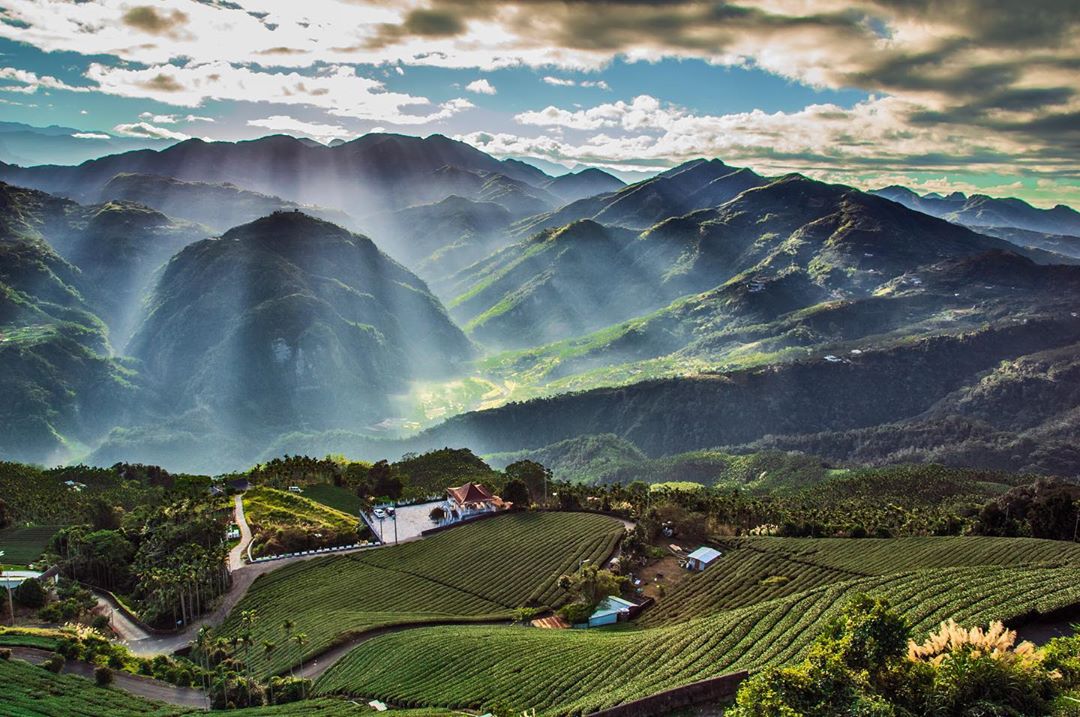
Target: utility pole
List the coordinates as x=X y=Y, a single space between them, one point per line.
x=395 y=525
x=10 y=602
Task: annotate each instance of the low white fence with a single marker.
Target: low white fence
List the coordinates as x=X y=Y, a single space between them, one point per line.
x=317 y=551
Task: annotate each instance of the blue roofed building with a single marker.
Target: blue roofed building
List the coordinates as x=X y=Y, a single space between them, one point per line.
x=700 y=558
x=610 y=611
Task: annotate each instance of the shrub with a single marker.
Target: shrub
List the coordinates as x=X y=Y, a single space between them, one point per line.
x=31 y=593
x=5 y=653
x=103 y=676
x=525 y=614
x=100 y=622
x=54 y=663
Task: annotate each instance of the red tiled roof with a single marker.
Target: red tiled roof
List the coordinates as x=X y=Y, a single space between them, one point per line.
x=470 y=493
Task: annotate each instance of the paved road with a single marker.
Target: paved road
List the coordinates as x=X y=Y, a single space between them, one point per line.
x=139 y=685
x=236 y=555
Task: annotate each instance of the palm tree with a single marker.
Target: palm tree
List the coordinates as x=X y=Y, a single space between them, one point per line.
x=288 y=626
x=301 y=640
x=268 y=650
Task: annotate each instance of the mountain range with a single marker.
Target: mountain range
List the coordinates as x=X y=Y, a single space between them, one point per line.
x=211 y=304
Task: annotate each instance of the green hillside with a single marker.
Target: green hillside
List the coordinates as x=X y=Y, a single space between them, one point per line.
x=560 y=672
x=480 y=571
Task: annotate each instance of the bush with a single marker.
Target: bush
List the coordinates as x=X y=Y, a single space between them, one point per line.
x=100 y=622
x=103 y=676
x=5 y=653
x=31 y=593
x=54 y=663
x=576 y=612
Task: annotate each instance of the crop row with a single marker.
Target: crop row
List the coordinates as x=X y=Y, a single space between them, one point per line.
x=473 y=572
x=560 y=672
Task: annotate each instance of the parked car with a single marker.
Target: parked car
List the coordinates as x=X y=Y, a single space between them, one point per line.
x=390 y=511
x=295 y=489
x=379 y=513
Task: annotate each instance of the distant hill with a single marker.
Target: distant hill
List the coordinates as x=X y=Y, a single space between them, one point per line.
x=26 y=145
x=218 y=206
x=369 y=174
x=981 y=210
x=586 y=183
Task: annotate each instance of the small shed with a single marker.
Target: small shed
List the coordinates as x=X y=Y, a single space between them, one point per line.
x=700 y=558
x=610 y=611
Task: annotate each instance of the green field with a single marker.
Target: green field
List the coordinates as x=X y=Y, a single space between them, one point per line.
x=22 y=546
x=716 y=622
x=340 y=499
x=284 y=522
x=30 y=691
x=480 y=571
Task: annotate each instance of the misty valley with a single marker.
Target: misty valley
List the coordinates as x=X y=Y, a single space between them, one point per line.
x=211 y=305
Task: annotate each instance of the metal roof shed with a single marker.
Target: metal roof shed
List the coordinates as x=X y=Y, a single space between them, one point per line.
x=700 y=558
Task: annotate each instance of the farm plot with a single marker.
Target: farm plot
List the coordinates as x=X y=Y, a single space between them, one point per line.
x=475 y=572
x=565 y=671
x=32 y=691
x=22 y=546
x=756 y=569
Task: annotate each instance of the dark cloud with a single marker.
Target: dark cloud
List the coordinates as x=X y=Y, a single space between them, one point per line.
x=148 y=19
x=163 y=82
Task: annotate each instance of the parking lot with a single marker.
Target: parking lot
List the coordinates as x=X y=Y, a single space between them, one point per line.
x=411 y=521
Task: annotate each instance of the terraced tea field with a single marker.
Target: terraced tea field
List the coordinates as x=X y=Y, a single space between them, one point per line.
x=22 y=546
x=475 y=572
x=727 y=620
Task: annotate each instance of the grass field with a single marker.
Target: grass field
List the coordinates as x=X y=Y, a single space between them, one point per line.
x=328 y=494
x=474 y=572
x=282 y=522
x=22 y=546
x=722 y=620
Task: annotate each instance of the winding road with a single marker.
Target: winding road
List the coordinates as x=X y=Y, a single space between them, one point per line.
x=147 y=644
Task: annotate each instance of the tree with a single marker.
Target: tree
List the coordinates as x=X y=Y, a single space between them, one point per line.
x=534 y=475
x=437 y=514
x=589 y=585
x=516 y=492
x=384 y=481
x=301 y=639
x=5 y=515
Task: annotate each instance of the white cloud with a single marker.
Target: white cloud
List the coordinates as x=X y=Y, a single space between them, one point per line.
x=30 y=82
x=284 y=123
x=566 y=82
x=172 y=119
x=90 y=135
x=337 y=89
x=480 y=87
x=148 y=131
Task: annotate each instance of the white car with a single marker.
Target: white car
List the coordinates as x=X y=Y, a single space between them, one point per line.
x=379 y=513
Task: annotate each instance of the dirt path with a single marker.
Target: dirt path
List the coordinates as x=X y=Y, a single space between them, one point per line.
x=146 y=687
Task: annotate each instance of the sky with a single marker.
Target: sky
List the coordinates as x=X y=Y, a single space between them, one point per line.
x=939 y=95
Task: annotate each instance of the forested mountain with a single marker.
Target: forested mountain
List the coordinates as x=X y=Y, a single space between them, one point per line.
x=289 y=321
x=706 y=307
x=795 y=241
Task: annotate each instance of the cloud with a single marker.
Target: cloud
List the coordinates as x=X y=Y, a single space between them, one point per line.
x=155 y=22
x=284 y=123
x=172 y=119
x=90 y=135
x=564 y=82
x=337 y=89
x=29 y=82
x=480 y=87
x=148 y=131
